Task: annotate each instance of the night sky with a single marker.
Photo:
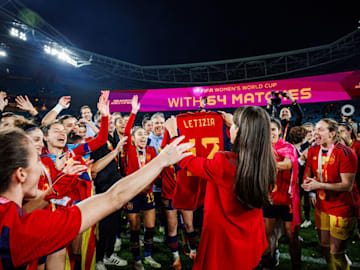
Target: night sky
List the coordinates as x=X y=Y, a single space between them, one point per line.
x=149 y=32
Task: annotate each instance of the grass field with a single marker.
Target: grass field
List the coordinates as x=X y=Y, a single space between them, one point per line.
x=311 y=253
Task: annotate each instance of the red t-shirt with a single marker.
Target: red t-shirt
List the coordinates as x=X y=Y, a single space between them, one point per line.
x=280 y=193
x=24 y=238
x=342 y=160
x=232 y=237
x=356 y=147
x=168 y=175
x=206 y=131
x=133 y=159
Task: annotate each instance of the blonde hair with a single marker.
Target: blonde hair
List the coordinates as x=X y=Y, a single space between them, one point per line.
x=332 y=126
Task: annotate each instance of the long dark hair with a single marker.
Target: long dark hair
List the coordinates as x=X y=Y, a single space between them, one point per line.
x=256 y=169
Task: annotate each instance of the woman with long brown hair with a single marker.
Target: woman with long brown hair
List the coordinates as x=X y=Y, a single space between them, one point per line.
x=238 y=186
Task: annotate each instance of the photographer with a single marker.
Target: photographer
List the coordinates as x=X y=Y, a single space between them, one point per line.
x=285 y=113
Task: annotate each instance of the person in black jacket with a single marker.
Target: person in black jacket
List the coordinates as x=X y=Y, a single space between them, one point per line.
x=105 y=172
x=286 y=114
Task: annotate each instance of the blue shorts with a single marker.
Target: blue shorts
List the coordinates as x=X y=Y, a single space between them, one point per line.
x=278 y=211
x=140 y=202
x=168 y=204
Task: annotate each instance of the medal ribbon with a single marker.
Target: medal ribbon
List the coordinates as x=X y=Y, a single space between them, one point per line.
x=112 y=149
x=142 y=160
x=326 y=163
x=285 y=131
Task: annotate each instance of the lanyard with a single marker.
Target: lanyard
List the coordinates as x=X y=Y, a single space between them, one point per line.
x=47 y=174
x=326 y=162
x=112 y=149
x=143 y=159
x=285 y=131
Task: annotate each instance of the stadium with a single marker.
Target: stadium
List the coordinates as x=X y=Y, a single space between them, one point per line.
x=38 y=61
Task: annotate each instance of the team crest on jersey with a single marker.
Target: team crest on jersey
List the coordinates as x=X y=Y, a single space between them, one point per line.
x=130 y=206
x=332 y=160
x=148 y=156
x=314 y=157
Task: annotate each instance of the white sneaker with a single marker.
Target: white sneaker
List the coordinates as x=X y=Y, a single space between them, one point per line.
x=115 y=260
x=138 y=265
x=348 y=260
x=149 y=260
x=100 y=266
x=306 y=224
x=117 y=245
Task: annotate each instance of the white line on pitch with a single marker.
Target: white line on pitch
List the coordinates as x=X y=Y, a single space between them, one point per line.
x=314 y=260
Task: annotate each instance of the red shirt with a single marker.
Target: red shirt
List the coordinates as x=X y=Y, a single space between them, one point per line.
x=133 y=158
x=24 y=238
x=280 y=193
x=206 y=131
x=342 y=160
x=356 y=147
x=232 y=237
x=69 y=188
x=168 y=175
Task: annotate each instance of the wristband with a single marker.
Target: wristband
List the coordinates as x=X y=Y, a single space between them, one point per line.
x=58 y=108
x=33 y=112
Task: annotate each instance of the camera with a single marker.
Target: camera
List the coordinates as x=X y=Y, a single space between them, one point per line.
x=275 y=98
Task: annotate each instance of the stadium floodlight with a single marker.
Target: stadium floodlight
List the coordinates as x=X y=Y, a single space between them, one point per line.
x=3 y=53
x=17 y=33
x=62 y=54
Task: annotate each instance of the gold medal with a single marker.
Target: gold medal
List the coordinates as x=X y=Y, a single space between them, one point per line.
x=322 y=194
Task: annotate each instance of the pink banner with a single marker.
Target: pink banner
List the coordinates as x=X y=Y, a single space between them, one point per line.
x=331 y=87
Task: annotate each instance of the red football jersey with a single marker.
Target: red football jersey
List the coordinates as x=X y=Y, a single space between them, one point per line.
x=168 y=174
x=24 y=238
x=356 y=147
x=48 y=173
x=280 y=193
x=133 y=160
x=342 y=160
x=206 y=131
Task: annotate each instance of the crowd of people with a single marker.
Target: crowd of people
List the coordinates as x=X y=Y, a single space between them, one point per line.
x=60 y=176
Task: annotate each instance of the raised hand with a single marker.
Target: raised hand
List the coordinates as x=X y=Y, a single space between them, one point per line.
x=135 y=105
x=171 y=126
x=121 y=144
x=25 y=104
x=61 y=160
x=103 y=104
x=290 y=96
x=75 y=168
x=3 y=100
x=82 y=121
x=227 y=117
x=65 y=102
x=174 y=152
